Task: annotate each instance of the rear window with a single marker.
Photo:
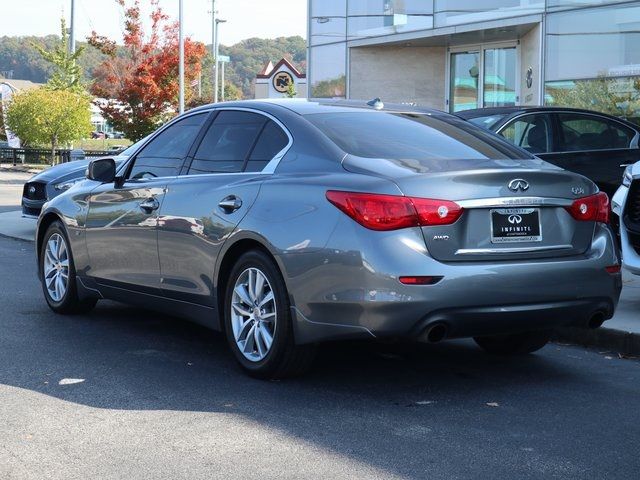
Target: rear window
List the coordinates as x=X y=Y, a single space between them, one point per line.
x=487 y=121
x=411 y=136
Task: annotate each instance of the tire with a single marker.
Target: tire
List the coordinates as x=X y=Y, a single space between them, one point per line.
x=248 y=327
x=54 y=265
x=514 y=344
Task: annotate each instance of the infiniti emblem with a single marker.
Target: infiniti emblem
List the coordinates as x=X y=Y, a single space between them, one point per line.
x=32 y=189
x=515 y=219
x=518 y=184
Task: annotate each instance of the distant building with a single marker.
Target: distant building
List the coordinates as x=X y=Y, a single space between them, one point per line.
x=273 y=81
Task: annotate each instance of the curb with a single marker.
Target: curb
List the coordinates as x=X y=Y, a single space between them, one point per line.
x=623 y=342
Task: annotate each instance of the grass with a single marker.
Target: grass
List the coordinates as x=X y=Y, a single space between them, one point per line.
x=101 y=144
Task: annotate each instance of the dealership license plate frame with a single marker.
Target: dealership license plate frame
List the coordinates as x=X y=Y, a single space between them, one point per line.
x=516 y=237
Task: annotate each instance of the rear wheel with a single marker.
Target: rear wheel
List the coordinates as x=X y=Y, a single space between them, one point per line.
x=258 y=323
x=58 y=275
x=514 y=344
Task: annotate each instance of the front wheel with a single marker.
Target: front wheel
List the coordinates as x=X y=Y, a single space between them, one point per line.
x=58 y=275
x=514 y=344
x=258 y=323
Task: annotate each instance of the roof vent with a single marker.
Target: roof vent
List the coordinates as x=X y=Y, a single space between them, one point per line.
x=376 y=103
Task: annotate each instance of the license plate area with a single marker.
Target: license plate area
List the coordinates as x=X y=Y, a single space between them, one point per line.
x=513 y=225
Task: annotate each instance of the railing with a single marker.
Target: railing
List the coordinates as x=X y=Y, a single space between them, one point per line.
x=41 y=156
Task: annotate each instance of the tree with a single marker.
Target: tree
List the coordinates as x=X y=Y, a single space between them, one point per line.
x=67 y=73
x=139 y=81
x=291 y=91
x=42 y=116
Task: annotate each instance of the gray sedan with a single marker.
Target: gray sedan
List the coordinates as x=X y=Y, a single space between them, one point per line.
x=287 y=223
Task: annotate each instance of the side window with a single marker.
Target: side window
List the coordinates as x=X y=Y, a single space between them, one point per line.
x=586 y=132
x=271 y=142
x=163 y=156
x=227 y=143
x=531 y=132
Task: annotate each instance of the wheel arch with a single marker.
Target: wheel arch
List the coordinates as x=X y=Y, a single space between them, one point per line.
x=43 y=226
x=228 y=260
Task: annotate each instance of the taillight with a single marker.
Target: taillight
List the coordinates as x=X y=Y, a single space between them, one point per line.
x=392 y=212
x=594 y=208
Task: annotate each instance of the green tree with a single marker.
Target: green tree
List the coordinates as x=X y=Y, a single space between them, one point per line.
x=67 y=73
x=291 y=91
x=41 y=116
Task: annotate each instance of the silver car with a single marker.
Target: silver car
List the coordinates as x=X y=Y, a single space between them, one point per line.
x=626 y=204
x=287 y=223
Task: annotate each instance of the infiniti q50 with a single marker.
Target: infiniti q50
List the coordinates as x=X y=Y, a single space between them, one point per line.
x=291 y=222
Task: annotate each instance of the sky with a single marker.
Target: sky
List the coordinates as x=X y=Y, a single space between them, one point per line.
x=245 y=18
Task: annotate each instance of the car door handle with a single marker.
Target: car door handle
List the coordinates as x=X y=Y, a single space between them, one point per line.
x=230 y=204
x=149 y=205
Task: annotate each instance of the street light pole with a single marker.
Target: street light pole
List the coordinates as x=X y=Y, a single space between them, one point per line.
x=217 y=52
x=72 y=28
x=214 y=71
x=181 y=55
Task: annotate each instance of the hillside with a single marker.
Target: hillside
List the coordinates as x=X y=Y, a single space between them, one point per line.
x=247 y=58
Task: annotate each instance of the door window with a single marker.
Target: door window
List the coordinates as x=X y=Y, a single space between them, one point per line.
x=464 y=78
x=271 y=142
x=164 y=155
x=227 y=143
x=531 y=132
x=588 y=132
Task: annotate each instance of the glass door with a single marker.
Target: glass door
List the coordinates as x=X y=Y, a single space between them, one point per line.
x=483 y=76
x=499 y=81
x=464 y=75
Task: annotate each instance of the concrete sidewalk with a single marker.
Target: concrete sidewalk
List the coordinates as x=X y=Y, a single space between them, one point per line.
x=620 y=334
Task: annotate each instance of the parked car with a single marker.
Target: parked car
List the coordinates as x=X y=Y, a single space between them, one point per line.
x=286 y=223
x=626 y=205
x=51 y=182
x=596 y=145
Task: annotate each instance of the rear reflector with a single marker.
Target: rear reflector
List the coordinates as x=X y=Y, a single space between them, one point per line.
x=419 y=280
x=392 y=212
x=594 y=208
x=613 y=269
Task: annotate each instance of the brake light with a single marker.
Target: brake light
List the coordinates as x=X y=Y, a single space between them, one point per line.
x=423 y=280
x=594 y=208
x=392 y=212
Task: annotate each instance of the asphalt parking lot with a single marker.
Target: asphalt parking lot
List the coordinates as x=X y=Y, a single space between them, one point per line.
x=125 y=393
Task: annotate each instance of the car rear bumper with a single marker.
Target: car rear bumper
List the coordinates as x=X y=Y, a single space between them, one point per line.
x=361 y=297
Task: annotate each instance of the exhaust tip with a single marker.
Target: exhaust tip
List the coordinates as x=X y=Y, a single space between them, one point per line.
x=596 y=321
x=436 y=333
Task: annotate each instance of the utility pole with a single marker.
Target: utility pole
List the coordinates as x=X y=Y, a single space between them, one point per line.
x=222 y=84
x=216 y=47
x=72 y=29
x=181 y=55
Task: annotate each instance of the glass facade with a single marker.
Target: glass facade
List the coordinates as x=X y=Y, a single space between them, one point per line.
x=593 y=59
x=590 y=54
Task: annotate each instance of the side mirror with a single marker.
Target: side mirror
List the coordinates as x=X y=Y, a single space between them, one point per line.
x=102 y=170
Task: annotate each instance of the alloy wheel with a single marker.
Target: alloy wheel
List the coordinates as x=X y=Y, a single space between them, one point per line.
x=253 y=314
x=56 y=267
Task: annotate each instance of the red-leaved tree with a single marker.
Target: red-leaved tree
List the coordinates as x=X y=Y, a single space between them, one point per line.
x=139 y=81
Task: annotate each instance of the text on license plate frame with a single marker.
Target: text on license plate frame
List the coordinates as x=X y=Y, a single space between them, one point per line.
x=520 y=217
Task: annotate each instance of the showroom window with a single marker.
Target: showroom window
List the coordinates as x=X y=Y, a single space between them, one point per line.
x=328 y=70
x=328 y=21
x=593 y=60
x=383 y=17
x=455 y=12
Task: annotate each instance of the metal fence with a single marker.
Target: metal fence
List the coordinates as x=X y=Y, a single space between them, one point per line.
x=41 y=156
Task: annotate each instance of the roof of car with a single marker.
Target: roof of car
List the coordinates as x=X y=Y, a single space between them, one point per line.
x=306 y=106
x=485 y=112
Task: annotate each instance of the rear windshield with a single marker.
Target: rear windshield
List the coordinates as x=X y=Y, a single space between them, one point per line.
x=412 y=136
x=486 y=121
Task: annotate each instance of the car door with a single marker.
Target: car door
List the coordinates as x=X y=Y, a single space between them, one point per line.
x=121 y=226
x=203 y=207
x=595 y=146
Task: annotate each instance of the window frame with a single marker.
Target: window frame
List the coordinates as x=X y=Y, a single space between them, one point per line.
x=271 y=165
x=634 y=144
x=126 y=170
x=551 y=124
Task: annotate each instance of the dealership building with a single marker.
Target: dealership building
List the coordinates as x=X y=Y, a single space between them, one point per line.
x=460 y=54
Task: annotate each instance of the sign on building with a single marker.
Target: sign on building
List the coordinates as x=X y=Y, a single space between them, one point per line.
x=274 y=81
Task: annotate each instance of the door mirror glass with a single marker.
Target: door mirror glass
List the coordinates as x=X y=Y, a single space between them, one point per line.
x=102 y=170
